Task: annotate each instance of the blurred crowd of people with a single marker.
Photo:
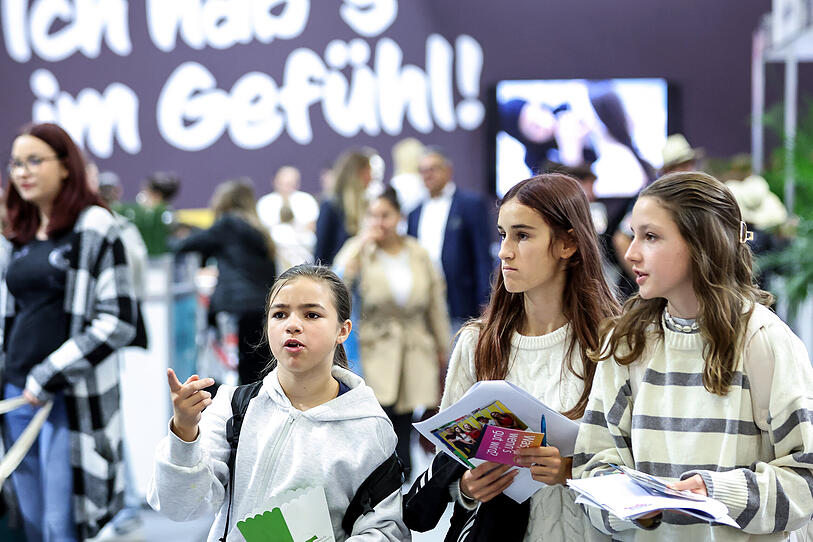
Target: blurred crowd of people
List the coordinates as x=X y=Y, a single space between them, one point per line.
x=415 y=250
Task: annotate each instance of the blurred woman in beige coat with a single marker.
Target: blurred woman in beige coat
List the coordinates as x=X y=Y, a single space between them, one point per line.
x=404 y=328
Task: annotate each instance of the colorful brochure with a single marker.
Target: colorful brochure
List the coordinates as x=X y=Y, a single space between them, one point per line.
x=500 y=444
x=460 y=429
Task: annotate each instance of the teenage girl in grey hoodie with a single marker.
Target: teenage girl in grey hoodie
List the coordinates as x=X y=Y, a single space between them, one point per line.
x=313 y=423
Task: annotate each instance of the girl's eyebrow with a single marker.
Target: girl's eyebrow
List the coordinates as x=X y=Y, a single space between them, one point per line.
x=518 y=227
x=300 y=306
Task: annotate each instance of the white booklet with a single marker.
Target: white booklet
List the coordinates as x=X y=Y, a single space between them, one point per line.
x=459 y=429
x=630 y=494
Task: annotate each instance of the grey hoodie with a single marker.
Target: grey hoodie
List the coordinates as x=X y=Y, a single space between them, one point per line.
x=335 y=445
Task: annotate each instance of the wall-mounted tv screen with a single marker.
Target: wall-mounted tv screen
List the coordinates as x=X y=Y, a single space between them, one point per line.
x=616 y=127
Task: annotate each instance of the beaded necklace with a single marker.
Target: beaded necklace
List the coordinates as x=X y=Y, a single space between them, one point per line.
x=682 y=325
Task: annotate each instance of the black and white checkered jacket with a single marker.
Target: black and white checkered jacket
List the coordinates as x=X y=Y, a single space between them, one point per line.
x=101 y=309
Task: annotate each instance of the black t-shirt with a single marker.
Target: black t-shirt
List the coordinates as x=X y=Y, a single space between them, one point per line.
x=36 y=278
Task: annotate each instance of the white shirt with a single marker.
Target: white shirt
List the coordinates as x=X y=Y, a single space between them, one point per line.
x=432 y=223
x=399 y=274
x=303 y=205
x=411 y=191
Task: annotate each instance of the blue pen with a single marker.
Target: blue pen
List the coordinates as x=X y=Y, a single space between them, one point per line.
x=544 y=431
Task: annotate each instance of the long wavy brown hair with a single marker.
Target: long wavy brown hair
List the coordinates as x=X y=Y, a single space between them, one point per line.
x=708 y=219
x=587 y=301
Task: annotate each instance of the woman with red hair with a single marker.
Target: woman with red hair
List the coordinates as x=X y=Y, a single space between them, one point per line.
x=67 y=305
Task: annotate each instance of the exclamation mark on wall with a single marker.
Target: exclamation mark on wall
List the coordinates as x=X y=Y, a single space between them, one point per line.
x=469 y=68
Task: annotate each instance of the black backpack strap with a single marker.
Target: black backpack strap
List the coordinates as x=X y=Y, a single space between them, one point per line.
x=380 y=484
x=239 y=405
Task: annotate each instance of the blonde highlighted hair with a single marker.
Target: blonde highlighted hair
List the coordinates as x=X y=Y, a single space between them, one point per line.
x=708 y=218
x=349 y=190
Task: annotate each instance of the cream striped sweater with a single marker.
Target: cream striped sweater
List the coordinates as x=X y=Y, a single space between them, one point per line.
x=760 y=466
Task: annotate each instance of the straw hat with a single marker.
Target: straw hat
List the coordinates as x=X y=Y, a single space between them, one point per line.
x=677 y=150
x=758 y=205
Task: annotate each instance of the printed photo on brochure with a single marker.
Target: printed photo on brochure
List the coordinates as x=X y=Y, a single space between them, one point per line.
x=463 y=435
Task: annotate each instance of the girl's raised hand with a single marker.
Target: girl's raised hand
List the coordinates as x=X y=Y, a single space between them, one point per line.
x=486 y=481
x=188 y=401
x=546 y=463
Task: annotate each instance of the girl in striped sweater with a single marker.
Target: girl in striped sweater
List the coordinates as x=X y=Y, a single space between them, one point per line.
x=698 y=381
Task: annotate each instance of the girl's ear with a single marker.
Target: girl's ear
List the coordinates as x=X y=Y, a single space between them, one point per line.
x=568 y=245
x=344 y=331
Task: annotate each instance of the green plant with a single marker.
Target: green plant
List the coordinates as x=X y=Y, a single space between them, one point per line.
x=802 y=158
x=795 y=261
x=794 y=264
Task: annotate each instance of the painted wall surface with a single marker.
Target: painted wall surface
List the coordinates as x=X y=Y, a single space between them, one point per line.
x=214 y=89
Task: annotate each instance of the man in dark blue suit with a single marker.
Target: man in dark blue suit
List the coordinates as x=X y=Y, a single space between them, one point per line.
x=455 y=228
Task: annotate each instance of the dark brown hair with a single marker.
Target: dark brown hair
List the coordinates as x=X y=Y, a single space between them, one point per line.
x=708 y=219
x=74 y=195
x=587 y=301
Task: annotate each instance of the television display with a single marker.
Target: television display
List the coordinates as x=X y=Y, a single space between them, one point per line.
x=615 y=127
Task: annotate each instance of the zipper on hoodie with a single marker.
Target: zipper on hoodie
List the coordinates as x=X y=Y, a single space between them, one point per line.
x=271 y=459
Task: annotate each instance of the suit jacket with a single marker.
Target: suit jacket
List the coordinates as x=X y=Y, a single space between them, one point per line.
x=330 y=233
x=466 y=259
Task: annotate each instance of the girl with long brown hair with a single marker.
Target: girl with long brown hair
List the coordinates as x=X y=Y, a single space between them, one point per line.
x=543 y=317
x=698 y=382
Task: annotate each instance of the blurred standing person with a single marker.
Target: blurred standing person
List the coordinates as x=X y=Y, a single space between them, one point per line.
x=290 y=216
x=453 y=226
x=404 y=337
x=286 y=192
x=245 y=262
x=340 y=215
x=152 y=212
x=406 y=180
x=68 y=305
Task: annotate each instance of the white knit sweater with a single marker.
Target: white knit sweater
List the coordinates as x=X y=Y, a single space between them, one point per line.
x=537 y=366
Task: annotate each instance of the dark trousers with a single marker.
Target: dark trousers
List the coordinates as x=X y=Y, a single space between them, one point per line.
x=402 y=423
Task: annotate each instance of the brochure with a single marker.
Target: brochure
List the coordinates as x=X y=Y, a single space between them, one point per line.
x=295 y=516
x=459 y=430
x=630 y=494
x=500 y=444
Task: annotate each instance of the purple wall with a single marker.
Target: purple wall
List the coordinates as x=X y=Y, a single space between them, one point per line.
x=703 y=47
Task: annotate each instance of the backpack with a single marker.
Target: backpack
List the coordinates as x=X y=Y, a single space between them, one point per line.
x=382 y=482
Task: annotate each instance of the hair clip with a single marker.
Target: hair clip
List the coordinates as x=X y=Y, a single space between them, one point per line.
x=745 y=233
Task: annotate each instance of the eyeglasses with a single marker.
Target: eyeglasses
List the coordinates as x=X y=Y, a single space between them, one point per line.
x=29 y=164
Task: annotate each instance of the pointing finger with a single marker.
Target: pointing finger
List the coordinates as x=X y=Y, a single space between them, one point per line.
x=174 y=383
